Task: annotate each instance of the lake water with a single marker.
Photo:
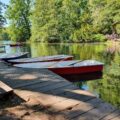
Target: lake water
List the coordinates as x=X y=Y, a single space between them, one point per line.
x=107 y=88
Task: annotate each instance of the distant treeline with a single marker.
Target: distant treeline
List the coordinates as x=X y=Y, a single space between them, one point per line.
x=63 y=20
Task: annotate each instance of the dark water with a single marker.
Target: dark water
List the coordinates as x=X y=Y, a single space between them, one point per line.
x=107 y=88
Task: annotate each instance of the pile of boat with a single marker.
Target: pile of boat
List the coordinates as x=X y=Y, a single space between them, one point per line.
x=63 y=65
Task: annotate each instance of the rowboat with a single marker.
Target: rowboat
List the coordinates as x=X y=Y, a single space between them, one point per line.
x=2 y=49
x=42 y=59
x=69 y=69
x=7 y=57
x=2 y=46
x=16 y=44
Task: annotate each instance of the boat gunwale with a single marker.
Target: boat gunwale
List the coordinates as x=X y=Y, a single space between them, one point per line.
x=42 y=59
x=59 y=67
x=13 y=56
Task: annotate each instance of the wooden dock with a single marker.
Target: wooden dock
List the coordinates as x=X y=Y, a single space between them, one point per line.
x=47 y=96
x=4 y=89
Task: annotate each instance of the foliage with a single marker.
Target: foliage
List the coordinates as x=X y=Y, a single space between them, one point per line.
x=2 y=18
x=61 y=20
x=4 y=34
x=106 y=16
x=99 y=37
x=44 y=21
x=18 y=13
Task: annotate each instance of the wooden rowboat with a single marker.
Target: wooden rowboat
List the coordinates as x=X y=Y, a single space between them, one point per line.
x=2 y=46
x=16 y=44
x=7 y=57
x=68 y=68
x=2 y=49
x=42 y=59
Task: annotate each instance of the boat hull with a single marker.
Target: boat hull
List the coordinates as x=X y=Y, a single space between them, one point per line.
x=17 y=44
x=80 y=73
x=76 y=70
x=83 y=76
x=31 y=60
x=15 y=57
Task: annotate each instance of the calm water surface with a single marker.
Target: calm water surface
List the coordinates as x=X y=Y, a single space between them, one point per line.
x=107 y=88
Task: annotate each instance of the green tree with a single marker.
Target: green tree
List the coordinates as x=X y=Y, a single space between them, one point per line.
x=76 y=17
x=44 y=21
x=61 y=20
x=18 y=13
x=2 y=18
x=106 y=16
x=4 y=34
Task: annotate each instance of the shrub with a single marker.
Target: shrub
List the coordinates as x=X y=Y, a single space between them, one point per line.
x=99 y=38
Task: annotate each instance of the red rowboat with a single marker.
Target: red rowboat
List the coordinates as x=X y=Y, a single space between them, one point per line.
x=68 y=68
x=42 y=59
x=7 y=57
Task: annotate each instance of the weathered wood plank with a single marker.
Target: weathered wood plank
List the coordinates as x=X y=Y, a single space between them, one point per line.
x=41 y=98
x=82 y=107
x=48 y=99
x=116 y=118
x=61 y=90
x=44 y=85
x=52 y=86
x=97 y=113
x=17 y=77
x=4 y=88
x=30 y=94
x=52 y=92
x=55 y=96
x=112 y=115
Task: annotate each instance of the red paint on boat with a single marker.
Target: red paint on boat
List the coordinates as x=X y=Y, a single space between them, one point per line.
x=76 y=70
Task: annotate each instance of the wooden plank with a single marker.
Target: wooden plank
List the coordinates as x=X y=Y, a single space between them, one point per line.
x=4 y=88
x=16 y=77
x=72 y=101
x=112 y=115
x=51 y=91
x=36 y=83
x=41 y=98
x=29 y=83
x=82 y=107
x=23 y=74
x=52 y=86
x=116 y=118
x=56 y=92
x=45 y=85
x=48 y=99
x=97 y=113
x=61 y=90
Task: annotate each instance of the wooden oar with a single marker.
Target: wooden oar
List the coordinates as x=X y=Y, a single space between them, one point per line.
x=75 y=62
